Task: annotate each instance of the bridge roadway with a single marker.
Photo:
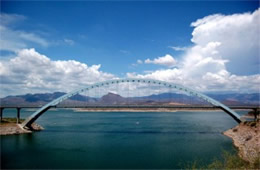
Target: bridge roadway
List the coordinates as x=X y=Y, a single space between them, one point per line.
x=181 y=107
x=135 y=106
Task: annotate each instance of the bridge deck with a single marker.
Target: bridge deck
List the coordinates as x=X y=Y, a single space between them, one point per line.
x=134 y=106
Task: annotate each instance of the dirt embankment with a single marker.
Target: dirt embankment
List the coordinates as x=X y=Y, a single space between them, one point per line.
x=9 y=127
x=246 y=137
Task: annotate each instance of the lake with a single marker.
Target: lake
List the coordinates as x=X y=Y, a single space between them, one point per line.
x=125 y=140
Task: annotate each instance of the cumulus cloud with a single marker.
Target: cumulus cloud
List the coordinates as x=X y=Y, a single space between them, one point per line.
x=224 y=57
x=166 y=60
x=239 y=38
x=210 y=82
x=28 y=71
x=15 y=40
x=31 y=72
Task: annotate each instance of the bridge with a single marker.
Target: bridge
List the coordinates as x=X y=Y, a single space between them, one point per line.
x=19 y=108
x=147 y=82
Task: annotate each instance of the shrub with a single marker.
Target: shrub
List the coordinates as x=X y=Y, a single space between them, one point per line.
x=228 y=161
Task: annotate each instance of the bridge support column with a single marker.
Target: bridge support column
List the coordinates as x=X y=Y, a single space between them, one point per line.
x=18 y=115
x=1 y=114
x=255 y=112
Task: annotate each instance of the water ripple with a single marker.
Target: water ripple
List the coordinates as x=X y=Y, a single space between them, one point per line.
x=132 y=132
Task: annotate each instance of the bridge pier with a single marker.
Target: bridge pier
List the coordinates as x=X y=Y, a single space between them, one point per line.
x=255 y=112
x=1 y=114
x=18 y=114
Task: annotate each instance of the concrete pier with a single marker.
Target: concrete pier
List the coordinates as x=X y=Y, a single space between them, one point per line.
x=1 y=114
x=18 y=114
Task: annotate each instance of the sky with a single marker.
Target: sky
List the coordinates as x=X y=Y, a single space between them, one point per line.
x=48 y=46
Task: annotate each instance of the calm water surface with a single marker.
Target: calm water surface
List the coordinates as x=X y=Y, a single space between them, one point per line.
x=118 y=140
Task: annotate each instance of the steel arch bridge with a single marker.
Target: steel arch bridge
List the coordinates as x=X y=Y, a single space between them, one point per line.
x=27 y=123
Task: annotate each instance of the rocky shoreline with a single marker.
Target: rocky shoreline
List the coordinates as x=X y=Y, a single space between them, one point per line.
x=12 y=128
x=246 y=137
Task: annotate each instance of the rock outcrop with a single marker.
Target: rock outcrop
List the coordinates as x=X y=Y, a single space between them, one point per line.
x=246 y=137
x=14 y=129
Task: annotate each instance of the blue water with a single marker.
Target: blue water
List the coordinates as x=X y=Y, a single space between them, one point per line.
x=114 y=140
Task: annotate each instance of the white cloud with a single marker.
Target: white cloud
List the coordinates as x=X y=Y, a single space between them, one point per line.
x=166 y=60
x=139 y=62
x=69 y=41
x=33 y=38
x=31 y=72
x=169 y=75
x=7 y=19
x=224 y=57
x=15 y=40
x=177 y=48
x=124 y=51
x=219 y=81
x=239 y=38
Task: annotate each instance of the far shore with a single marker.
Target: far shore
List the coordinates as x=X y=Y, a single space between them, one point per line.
x=146 y=109
x=129 y=109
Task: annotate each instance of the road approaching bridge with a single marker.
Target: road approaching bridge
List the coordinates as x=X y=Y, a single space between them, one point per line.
x=27 y=123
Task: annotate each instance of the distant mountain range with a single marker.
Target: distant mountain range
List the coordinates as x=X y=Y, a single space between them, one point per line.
x=115 y=99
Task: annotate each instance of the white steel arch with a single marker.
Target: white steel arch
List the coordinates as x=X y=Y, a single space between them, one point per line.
x=39 y=112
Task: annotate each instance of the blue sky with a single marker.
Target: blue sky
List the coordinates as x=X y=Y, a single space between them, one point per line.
x=115 y=35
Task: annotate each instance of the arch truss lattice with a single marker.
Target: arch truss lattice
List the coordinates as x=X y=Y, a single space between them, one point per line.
x=54 y=103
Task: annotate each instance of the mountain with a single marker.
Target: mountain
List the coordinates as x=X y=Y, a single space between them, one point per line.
x=115 y=99
x=47 y=97
x=30 y=99
x=112 y=98
x=237 y=99
x=40 y=99
x=228 y=99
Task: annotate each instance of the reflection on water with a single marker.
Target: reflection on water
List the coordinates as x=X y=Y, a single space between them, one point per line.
x=118 y=140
